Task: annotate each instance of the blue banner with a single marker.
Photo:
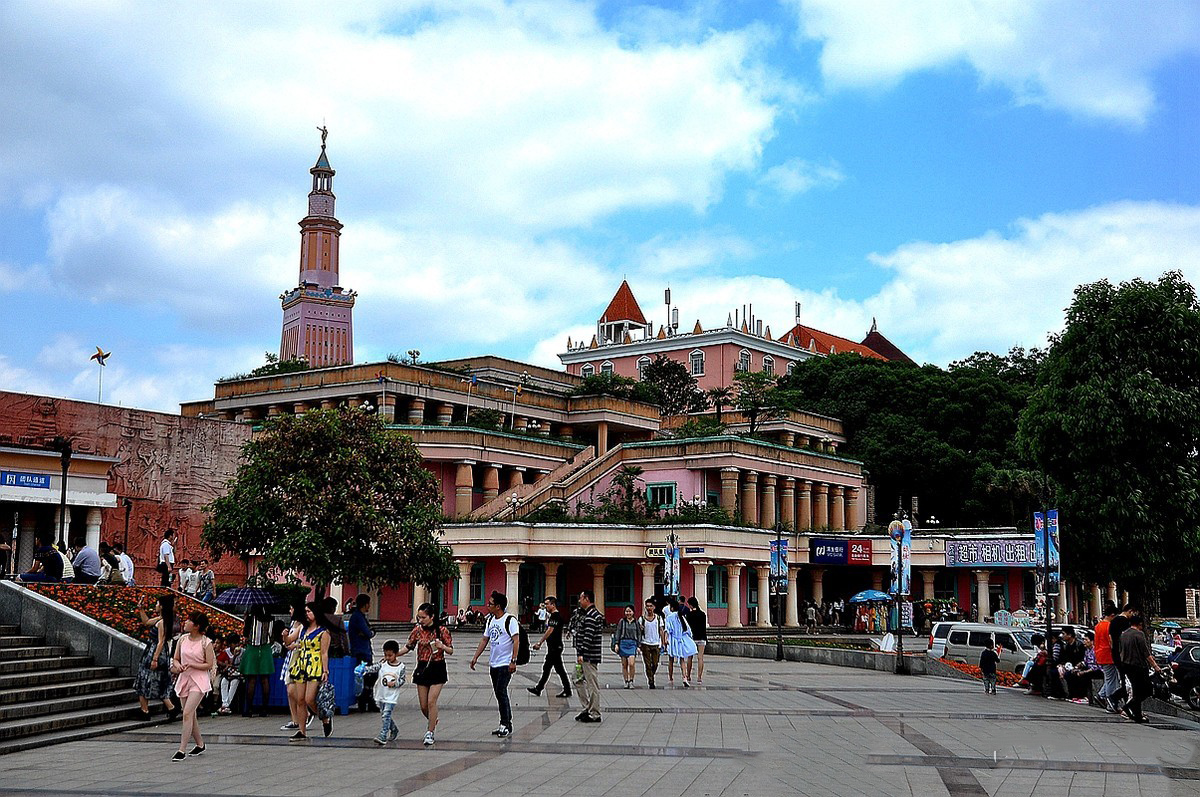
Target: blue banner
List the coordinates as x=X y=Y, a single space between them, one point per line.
x=900 y=536
x=779 y=567
x=1040 y=529
x=12 y=478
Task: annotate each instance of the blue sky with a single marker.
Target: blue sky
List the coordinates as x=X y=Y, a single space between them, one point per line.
x=952 y=169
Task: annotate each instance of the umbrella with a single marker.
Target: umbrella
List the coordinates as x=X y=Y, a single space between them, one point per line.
x=1171 y=624
x=869 y=595
x=246 y=596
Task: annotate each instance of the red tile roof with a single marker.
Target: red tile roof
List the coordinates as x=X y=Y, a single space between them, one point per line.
x=888 y=350
x=825 y=342
x=623 y=307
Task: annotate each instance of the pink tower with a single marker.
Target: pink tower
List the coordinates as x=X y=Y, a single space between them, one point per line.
x=317 y=313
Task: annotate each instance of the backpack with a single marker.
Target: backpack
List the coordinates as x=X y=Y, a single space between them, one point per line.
x=522 y=644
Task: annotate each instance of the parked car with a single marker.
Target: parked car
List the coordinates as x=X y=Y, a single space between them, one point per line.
x=937 y=639
x=1190 y=635
x=966 y=641
x=1185 y=667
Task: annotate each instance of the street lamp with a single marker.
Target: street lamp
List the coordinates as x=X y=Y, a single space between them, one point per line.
x=128 y=504
x=413 y=354
x=514 y=503
x=64 y=447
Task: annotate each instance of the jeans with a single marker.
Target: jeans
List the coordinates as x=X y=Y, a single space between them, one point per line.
x=207 y=596
x=500 y=678
x=589 y=690
x=229 y=687
x=386 y=726
x=554 y=660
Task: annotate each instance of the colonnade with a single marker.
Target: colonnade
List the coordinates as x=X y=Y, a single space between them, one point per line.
x=764 y=499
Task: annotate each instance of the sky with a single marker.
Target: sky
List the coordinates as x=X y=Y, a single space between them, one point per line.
x=951 y=169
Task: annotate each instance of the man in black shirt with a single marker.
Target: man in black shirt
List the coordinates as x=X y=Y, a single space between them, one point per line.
x=554 y=650
x=697 y=620
x=1138 y=660
x=1116 y=627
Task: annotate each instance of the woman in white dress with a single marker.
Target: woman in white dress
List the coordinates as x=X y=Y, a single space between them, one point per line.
x=679 y=643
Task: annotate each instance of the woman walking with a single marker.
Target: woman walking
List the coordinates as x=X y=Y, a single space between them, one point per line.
x=697 y=620
x=153 y=681
x=625 y=641
x=679 y=643
x=309 y=669
x=193 y=665
x=431 y=639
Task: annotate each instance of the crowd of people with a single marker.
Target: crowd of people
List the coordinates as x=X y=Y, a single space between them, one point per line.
x=79 y=563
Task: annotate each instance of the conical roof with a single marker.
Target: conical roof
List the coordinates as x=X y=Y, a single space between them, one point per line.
x=623 y=307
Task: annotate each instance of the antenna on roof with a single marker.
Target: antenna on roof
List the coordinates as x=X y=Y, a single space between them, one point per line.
x=667 y=302
x=674 y=320
x=797 y=313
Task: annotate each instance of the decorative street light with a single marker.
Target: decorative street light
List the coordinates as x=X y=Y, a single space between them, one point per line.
x=128 y=504
x=514 y=503
x=63 y=445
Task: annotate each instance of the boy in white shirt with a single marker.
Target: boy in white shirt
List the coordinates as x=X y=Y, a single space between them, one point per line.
x=501 y=632
x=654 y=638
x=387 y=690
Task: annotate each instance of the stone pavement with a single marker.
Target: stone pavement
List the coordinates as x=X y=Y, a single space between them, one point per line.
x=754 y=728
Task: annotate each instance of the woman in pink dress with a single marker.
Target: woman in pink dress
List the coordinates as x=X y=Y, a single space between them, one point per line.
x=193 y=665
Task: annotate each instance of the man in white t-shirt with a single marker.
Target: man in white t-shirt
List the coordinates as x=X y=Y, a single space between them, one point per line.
x=654 y=638
x=501 y=631
x=125 y=561
x=166 y=556
x=185 y=576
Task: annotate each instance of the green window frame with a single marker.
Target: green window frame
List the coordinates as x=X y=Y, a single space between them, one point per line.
x=618 y=585
x=477 y=583
x=661 y=495
x=718 y=587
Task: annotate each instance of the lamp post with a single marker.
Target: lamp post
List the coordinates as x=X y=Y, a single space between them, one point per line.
x=514 y=503
x=64 y=447
x=128 y=504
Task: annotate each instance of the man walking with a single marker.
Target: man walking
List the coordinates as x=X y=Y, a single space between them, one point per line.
x=501 y=632
x=1103 y=650
x=166 y=556
x=587 y=650
x=1138 y=659
x=554 y=648
x=1116 y=628
x=654 y=638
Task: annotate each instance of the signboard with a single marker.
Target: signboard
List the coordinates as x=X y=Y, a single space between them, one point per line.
x=900 y=535
x=826 y=551
x=1002 y=617
x=999 y=552
x=859 y=552
x=1040 y=539
x=13 y=478
x=656 y=553
x=779 y=567
x=694 y=549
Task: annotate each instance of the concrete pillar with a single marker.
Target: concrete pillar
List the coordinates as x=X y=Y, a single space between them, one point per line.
x=853 y=518
x=803 y=441
x=647 y=580
x=1111 y=592
x=700 y=582
x=766 y=513
x=734 y=591
x=876 y=579
x=837 y=515
x=601 y=438
x=328 y=404
x=420 y=595
x=1060 y=607
x=354 y=402
x=818 y=585
x=1097 y=603
x=598 y=584
x=544 y=429
x=464 y=482
x=1124 y=598
x=927 y=577
x=66 y=527
x=416 y=412
x=982 y=597
x=764 y=595
x=491 y=482
x=516 y=478
x=792 y=618
x=787 y=502
x=750 y=498
x=273 y=410
x=820 y=506
x=551 y=568
x=27 y=539
x=445 y=414
x=511 y=566
x=464 y=582
x=92 y=527
x=387 y=407
x=520 y=424
x=729 y=486
x=301 y=407
x=788 y=439
x=803 y=505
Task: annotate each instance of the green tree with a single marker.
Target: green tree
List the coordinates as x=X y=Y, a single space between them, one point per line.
x=604 y=385
x=1115 y=423
x=669 y=385
x=335 y=496
x=759 y=398
x=719 y=398
x=486 y=418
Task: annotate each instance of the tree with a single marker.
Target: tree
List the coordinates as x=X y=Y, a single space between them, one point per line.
x=486 y=418
x=669 y=385
x=336 y=496
x=758 y=398
x=1115 y=423
x=604 y=384
x=719 y=398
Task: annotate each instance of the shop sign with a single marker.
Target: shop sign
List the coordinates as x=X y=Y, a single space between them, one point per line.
x=991 y=553
x=656 y=553
x=12 y=478
x=826 y=551
x=859 y=552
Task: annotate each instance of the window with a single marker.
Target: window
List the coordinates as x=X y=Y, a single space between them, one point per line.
x=618 y=585
x=979 y=639
x=661 y=496
x=791 y=367
x=743 y=361
x=697 y=358
x=477 y=583
x=642 y=363
x=587 y=370
x=768 y=365
x=718 y=585
x=606 y=368
x=944 y=585
x=958 y=637
x=751 y=586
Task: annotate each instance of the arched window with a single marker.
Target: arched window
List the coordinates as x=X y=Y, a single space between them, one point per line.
x=744 y=361
x=642 y=363
x=587 y=370
x=697 y=359
x=718 y=585
x=791 y=367
x=606 y=367
x=768 y=365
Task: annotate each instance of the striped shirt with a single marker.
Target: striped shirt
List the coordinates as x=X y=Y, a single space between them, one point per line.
x=588 y=635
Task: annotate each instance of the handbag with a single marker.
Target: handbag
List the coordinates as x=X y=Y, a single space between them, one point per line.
x=326 y=701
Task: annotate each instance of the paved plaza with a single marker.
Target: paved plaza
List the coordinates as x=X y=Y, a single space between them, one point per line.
x=754 y=728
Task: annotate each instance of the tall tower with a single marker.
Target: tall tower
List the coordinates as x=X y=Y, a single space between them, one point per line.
x=317 y=313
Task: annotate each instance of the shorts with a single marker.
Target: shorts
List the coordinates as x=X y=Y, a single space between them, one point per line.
x=430 y=673
x=700 y=643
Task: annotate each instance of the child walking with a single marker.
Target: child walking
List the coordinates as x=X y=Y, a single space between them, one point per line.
x=987 y=665
x=387 y=690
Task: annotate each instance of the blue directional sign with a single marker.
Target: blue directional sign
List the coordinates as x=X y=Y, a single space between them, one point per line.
x=13 y=478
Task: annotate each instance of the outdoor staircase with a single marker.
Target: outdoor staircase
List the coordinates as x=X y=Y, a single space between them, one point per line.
x=48 y=696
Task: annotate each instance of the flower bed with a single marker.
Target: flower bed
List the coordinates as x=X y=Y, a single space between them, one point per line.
x=1002 y=678
x=806 y=642
x=116 y=606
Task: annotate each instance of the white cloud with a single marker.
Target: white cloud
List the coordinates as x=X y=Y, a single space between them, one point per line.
x=1091 y=59
x=667 y=254
x=797 y=176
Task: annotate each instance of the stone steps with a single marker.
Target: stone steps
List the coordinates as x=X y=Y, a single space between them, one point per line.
x=69 y=689
x=43 y=665
x=70 y=720
x=32 y=652
x=62 y=705
x=53 y=676
x=20 y=743
x=18 y=641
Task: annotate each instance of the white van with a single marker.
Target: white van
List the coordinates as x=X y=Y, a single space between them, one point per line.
x=937 y=639
x=966 y=641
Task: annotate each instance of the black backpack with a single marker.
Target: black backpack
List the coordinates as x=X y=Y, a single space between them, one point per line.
x=522 y=643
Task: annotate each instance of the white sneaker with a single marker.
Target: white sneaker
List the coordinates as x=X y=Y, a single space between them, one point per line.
x=428 y=741
x=291 y=726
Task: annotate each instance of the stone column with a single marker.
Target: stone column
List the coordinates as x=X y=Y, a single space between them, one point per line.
x=982 y=596
x=520 y=424
x=729 y=487
x=1060 y=602
x=491 y=482
x=767 y=503
x=837 y=515
x=92 y=527
x=66 y=527
x=564 y=430
x=27 y=539
x=803 y=505
x=551 y=568
x=328 y=404
x=598 y=584
x=793 y=598
x=853 y=523
x=927 y=577
x=464 y=483
x=733 y=590
x=700 y=582
x=464 y=582
x=750 y=498
x=1097 y=602
x=601 y=438
x=387 y=407
x=1112 y=593
x=787 y=502
x=300 y=407
x=515 y=479
x=647 y=579
x=420 y=595
x=818 y=585
x=274 y=410
x=354 y=402
x=788 y=439
x=416 y=412
x=445 y=414
x=764 y=595
x=820 y=505
x=511 y=566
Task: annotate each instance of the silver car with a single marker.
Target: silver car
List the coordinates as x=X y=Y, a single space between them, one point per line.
x=966 y=641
